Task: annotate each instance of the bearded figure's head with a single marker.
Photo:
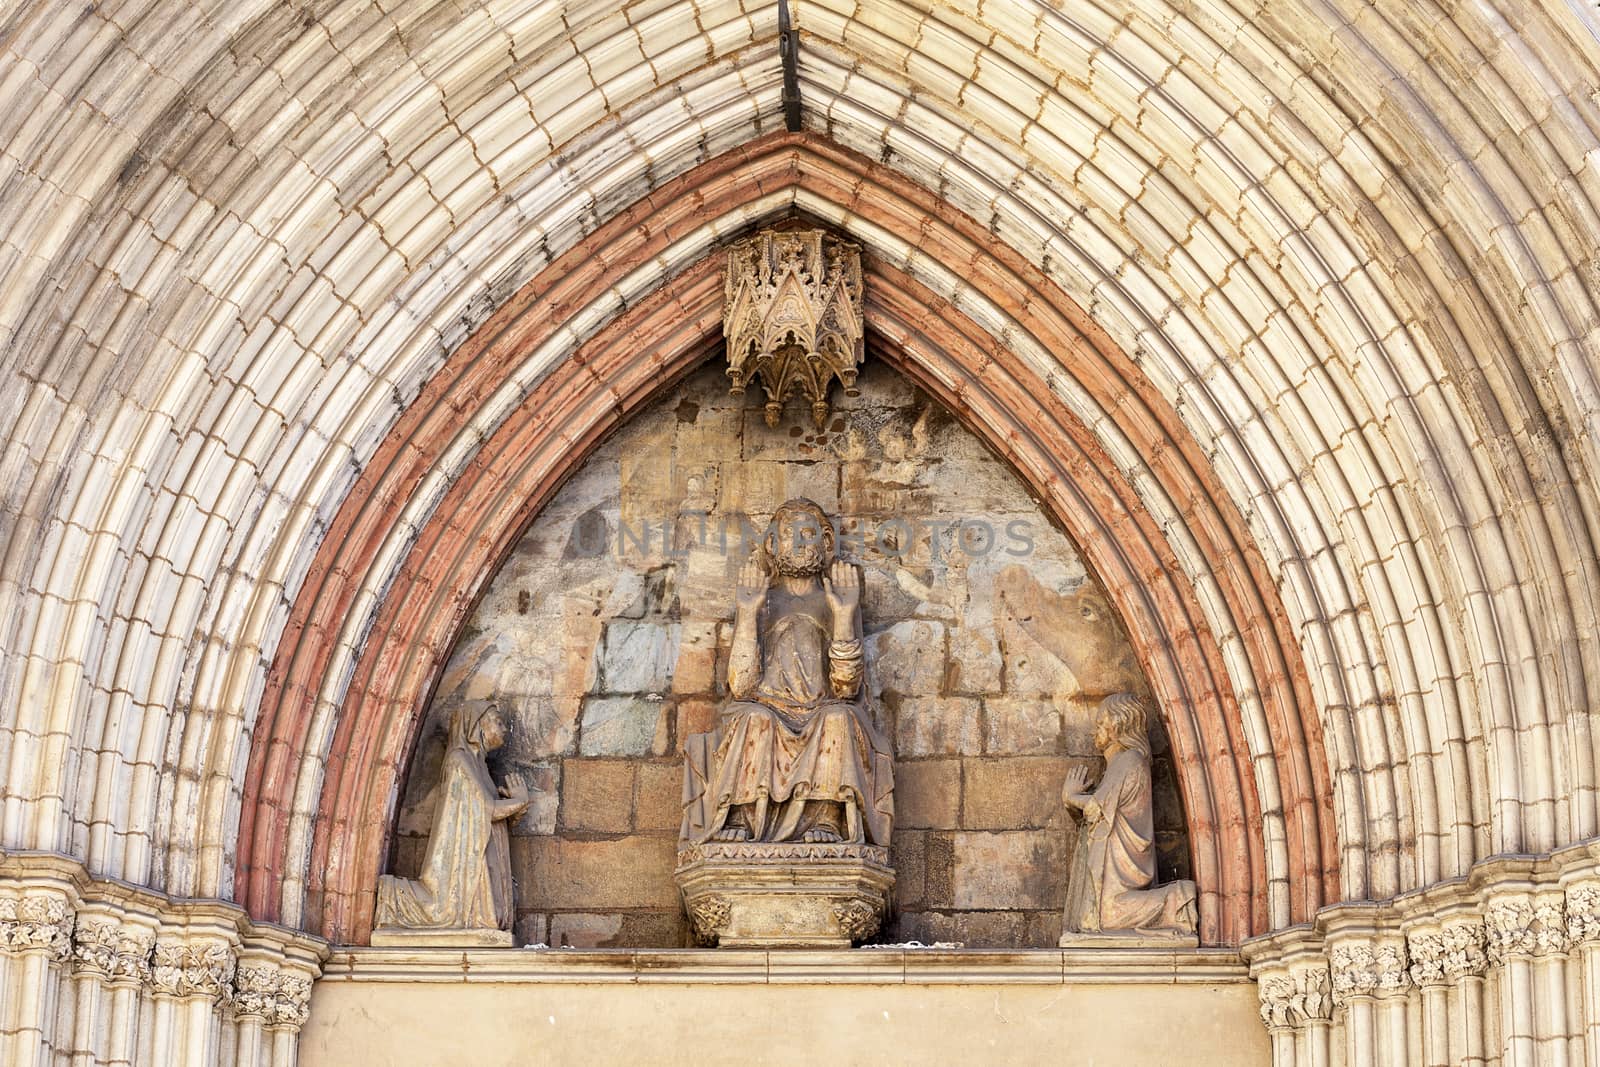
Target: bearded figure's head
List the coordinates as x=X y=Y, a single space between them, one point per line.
x=799 y=540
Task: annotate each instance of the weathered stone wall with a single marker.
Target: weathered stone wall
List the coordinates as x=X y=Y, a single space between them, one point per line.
x=605 y=636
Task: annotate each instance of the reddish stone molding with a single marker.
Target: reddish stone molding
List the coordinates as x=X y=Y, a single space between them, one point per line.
x=648 y=348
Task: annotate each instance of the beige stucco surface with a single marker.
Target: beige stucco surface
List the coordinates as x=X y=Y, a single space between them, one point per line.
x=382 y=1023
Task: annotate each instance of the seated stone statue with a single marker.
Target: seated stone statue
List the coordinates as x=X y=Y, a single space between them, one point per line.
x=795 y=757
x=465 y=885
x=1112 y=886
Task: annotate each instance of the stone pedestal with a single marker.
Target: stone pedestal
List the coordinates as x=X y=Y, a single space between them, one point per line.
x=767 y=895
x=399 y=936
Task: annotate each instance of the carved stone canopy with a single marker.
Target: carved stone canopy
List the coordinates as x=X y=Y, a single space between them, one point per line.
x=792 y=317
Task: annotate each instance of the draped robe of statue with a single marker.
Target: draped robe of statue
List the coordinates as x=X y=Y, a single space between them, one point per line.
x=795 y=731
x=466 y=874
x=1112 y=881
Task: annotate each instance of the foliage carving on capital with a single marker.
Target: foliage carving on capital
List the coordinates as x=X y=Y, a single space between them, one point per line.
x=275 y=995
x=1583 y=912
x=1464 y=954
x=1390 y=960
x=1549 y=926
x=1291 y=1000
x=1427 y=951
x=37 y=921
x=103 y=945
x=1364 y=969
x=1525 y=926
x=185 y=969
x=1355 y=972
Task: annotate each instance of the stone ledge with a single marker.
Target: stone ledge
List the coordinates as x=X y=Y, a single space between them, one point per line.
x=862 y=966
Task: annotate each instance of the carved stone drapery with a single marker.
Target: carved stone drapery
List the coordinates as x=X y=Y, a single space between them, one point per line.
x=789 y=802
x=792 y=317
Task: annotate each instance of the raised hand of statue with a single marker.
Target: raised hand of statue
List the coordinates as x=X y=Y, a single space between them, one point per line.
x=752 y=589
x=843 y=588
x=1075 y=790
x=518 y=798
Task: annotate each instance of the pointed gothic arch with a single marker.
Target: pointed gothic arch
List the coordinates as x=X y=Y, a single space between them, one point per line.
x=384 y=601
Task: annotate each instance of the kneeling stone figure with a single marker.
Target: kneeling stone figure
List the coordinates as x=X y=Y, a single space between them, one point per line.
x=1112 y=888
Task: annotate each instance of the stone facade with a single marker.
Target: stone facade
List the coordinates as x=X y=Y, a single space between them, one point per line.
x=605 y=637
x=1285 y=312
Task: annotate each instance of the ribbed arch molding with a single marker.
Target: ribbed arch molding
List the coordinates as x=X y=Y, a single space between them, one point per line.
x=943 y=292
x=1350 y=247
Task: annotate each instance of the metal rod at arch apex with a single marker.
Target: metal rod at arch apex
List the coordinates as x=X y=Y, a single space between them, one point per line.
x=789 y=52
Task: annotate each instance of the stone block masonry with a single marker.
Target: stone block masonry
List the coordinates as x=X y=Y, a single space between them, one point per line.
x=605 y=636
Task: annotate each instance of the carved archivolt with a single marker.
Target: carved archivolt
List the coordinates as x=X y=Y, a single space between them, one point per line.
x=792 y=317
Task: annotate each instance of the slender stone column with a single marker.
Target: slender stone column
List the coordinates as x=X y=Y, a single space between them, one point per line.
x=1527 y=942
x=271 y=1003
x=1583 y=932
x=1297 y=1007
x=110 y=964
x=1393 y=1002
x=192 y=976
x=1355 y=980
x=1277 y=994
x=1447 y=966
x=1553 y=1024
x=1426 y=950
x=35 y=941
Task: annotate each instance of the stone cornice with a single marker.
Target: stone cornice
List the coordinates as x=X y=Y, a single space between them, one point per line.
x=1507 y=909
x=114 y=932
x=887 y=965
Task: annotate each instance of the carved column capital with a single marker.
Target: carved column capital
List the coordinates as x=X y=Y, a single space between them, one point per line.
x=182 y=968
x=1301 y=996
x=1583 y=912
x=37 y=920
x=1525 y=925
x=1427 y=951
x=277 y=995
x=1444 y=954
x=106 y=946
x=1368 y=968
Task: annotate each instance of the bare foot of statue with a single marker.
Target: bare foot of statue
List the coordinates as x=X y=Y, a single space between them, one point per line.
x=731 y=833
x=822 y=835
